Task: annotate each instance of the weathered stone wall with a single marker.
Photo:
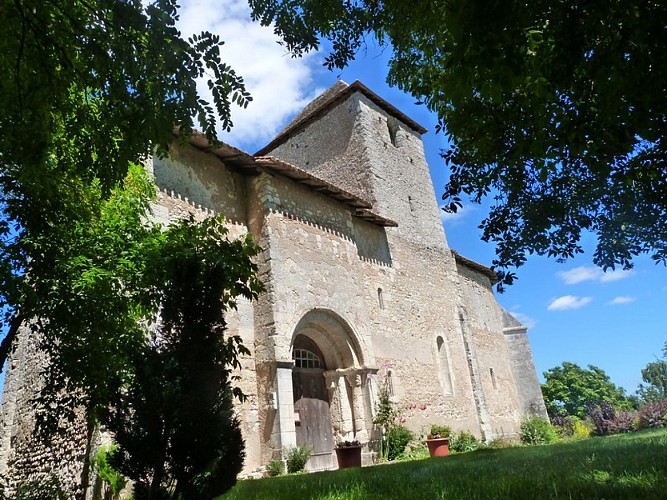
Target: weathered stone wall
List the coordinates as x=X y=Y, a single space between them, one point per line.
x=385 y=167
x=24 y=459
x=531 y=401
x=201 y=180
x=326 y=145
x=483 y=319
x=418 y=279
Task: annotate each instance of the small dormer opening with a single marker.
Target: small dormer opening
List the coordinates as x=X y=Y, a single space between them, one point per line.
x=392 y=125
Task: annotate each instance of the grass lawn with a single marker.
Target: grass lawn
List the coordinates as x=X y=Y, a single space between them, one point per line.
x=623 y=467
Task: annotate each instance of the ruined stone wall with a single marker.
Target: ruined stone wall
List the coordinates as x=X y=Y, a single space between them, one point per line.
x=26 y=461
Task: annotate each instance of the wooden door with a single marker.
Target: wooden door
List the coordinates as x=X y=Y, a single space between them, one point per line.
x=312 y=415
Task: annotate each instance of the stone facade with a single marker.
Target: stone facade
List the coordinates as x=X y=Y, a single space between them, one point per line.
x=361 y=287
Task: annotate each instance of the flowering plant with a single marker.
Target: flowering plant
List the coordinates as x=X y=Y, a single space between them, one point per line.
x=390 y=422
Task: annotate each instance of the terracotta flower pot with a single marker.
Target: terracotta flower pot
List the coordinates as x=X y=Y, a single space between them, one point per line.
x=348 y=456
x=438 y=447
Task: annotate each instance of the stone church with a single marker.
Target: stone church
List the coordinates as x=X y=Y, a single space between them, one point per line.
x=362 y=290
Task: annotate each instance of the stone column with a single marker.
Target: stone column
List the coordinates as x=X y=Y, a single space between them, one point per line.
x=362 y=406
x=331 y=378
x=355 y=379
x=285 y=397
x=341 y=415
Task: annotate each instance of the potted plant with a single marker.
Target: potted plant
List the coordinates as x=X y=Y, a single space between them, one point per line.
x=438 y=440
x=348 y=454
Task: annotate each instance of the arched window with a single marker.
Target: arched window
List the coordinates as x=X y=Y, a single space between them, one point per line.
x=306 y=354
x=380 y=298
x=304 y=358
x=443 y=367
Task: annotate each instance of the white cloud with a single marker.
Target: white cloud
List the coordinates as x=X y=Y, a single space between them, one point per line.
x=579 y=274
x=525 y=320
x=591 y=273
x=567 y=302
x=617 y=274
x=452 y=218
x=625 y=299
x=279 y=84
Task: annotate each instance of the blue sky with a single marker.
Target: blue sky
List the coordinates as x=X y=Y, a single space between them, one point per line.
x=574 y=311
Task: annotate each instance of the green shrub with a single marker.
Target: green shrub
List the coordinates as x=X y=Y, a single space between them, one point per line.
x=625 y=421
x=443 y=431
x=499 y=443
x=275 y=468
x=463 y=441
x=537 y=430
x=572 y=427
x=297 y=458
x=581 y=429
x=653 y=415
x=608 y=419
x=113 y=479
x=414 y=452
x=398 y=438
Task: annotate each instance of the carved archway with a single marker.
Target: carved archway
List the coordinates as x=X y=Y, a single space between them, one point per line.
x=334 y=337
x=331 y=400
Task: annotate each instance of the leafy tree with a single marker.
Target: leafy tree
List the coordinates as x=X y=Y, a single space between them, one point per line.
x=654 y=387
x=175 y=426
x=570 y=390
x=86 y=295
x=88 y=88
x=541 y=103
x=654 y=376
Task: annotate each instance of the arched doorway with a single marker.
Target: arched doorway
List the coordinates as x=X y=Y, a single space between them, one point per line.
x=331 y=397
x=312 y=414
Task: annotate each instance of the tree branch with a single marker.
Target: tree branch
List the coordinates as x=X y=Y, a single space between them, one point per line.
x=8 y=341
x=19 y=56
